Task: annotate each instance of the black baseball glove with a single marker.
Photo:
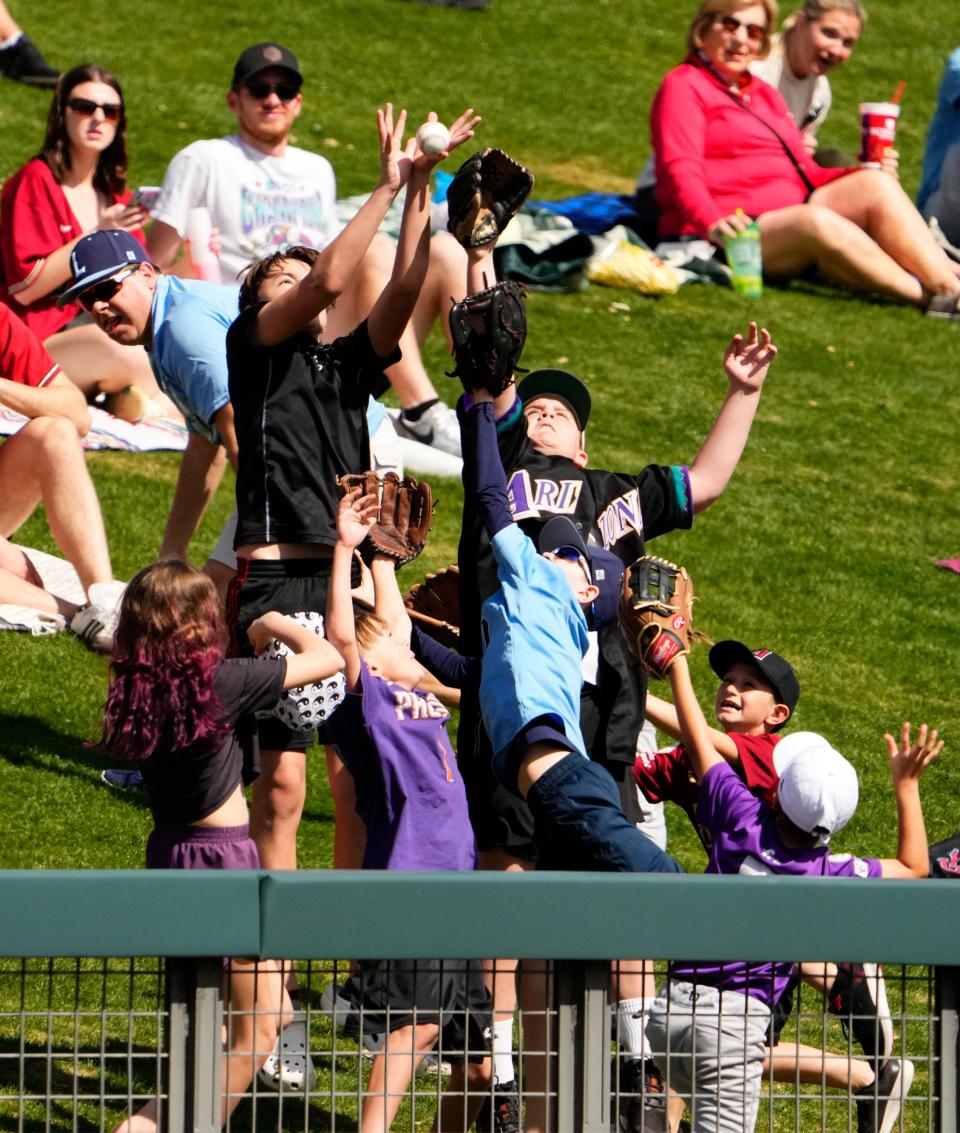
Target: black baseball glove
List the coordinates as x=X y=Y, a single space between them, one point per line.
x=484 y=194
x=488 y=331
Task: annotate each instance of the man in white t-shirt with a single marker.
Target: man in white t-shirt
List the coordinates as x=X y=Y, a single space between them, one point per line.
x=263 y=193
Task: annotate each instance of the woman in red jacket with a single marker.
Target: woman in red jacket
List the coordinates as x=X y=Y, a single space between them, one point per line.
x=75 y=185
x=724 y=141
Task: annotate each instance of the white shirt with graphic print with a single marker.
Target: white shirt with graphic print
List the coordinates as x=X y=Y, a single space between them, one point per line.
x=259 y=203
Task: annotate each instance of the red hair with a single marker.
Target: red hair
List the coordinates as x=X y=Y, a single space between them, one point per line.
x=166 y=652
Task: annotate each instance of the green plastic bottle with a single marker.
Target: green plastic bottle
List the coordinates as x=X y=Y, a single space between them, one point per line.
x=746 y=260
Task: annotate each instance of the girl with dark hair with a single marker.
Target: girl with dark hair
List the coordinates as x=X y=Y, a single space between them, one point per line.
x=75 y=185
x=185 y=714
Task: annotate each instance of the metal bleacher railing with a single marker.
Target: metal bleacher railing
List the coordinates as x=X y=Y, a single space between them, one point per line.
x=91 y=1022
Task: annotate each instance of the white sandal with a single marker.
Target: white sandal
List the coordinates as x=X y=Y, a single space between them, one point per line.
x=290 y=1066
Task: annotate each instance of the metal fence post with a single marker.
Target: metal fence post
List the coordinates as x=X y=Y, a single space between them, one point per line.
x=195 y=1007
x=947 y=1000
x=583 y=1045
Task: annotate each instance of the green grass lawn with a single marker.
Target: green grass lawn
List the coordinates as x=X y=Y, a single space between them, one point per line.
x=823 y=545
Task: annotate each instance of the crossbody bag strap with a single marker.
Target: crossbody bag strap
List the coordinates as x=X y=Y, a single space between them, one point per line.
x=786 y=149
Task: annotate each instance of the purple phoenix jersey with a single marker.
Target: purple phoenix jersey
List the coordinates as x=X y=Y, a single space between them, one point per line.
x=409 y=792
x=746 y=841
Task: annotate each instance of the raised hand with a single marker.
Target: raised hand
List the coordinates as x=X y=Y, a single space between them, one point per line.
x=356 y=516
x=746 y=361
x=395 y=158
x=460 y=132
x=910 y=760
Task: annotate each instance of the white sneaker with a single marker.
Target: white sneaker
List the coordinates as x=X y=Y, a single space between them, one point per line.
x=290 y=1066
x=96 y=624
x=437 y=427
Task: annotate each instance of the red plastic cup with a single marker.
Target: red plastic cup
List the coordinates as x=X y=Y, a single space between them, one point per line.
x=878 y=131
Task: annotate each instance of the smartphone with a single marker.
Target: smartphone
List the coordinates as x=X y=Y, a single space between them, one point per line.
x=146 y=196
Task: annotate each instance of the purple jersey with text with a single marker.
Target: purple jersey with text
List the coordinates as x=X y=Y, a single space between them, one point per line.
x=409 y=792
x=746 y=841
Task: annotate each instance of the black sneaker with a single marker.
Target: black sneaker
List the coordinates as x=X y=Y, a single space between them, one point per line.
x=642 y=1097
x=859 y=998
x=500 y=1112
x=23 y=63
x=878 y=1105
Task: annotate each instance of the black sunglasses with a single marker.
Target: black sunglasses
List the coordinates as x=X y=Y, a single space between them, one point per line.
x=284 y=91
x=86 y=108
x=105 y=291
x=756 y=33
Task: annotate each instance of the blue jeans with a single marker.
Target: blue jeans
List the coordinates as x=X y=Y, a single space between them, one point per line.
x=580 y=824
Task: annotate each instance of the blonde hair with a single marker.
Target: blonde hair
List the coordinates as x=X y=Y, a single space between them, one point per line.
x=817 y=9
x=709 y=10
x=368 y=626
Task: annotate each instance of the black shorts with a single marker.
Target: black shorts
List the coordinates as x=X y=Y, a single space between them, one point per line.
x=289 y=586
x=501 y=820
x=390 y=994
x=781 y=1012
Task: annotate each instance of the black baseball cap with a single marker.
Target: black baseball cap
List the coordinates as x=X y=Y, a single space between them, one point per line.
x=604 y=568
x=776 y=670
x=557 y=383
x=97 y=257
x=261 y=56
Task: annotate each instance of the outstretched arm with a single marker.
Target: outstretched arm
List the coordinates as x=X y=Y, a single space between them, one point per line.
x=387 y=600
x=907 y=763
x=354 y=518
x=313 y=658
x=694 y=730
x=481 y=275
x=392 y=311
x=745 y=363
x=301 y=302
x=201 y=470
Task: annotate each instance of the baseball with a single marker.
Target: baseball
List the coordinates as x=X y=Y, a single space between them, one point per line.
x=433 y=137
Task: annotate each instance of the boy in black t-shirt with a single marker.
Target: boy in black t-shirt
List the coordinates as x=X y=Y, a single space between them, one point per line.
x=300 y=417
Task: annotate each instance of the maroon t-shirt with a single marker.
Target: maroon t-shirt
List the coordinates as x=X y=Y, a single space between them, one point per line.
x=666 y=776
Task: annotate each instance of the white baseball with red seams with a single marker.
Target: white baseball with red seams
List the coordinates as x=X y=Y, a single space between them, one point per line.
x=433 y=137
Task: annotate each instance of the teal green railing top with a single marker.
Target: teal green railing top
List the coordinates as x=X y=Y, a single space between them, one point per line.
x=326 y=914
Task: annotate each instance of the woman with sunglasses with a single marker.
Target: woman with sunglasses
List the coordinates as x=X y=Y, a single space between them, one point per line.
x=727 y=151
x=73 y=186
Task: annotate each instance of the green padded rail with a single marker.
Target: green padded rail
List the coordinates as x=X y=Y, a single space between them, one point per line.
x=324 y=914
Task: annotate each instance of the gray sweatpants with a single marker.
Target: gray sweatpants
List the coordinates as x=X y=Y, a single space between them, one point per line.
x=709 y=1046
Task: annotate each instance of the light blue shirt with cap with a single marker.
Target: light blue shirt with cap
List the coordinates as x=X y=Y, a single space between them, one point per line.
x=534 y=637
x=190 y=319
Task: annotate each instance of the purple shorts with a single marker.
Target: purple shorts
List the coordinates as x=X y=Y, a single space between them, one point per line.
x=201 y=847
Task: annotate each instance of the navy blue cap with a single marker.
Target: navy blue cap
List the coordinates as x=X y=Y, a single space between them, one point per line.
x=603 y=567
x=97 y=257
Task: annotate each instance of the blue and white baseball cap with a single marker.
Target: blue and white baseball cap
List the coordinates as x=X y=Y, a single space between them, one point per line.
x=97 y=257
